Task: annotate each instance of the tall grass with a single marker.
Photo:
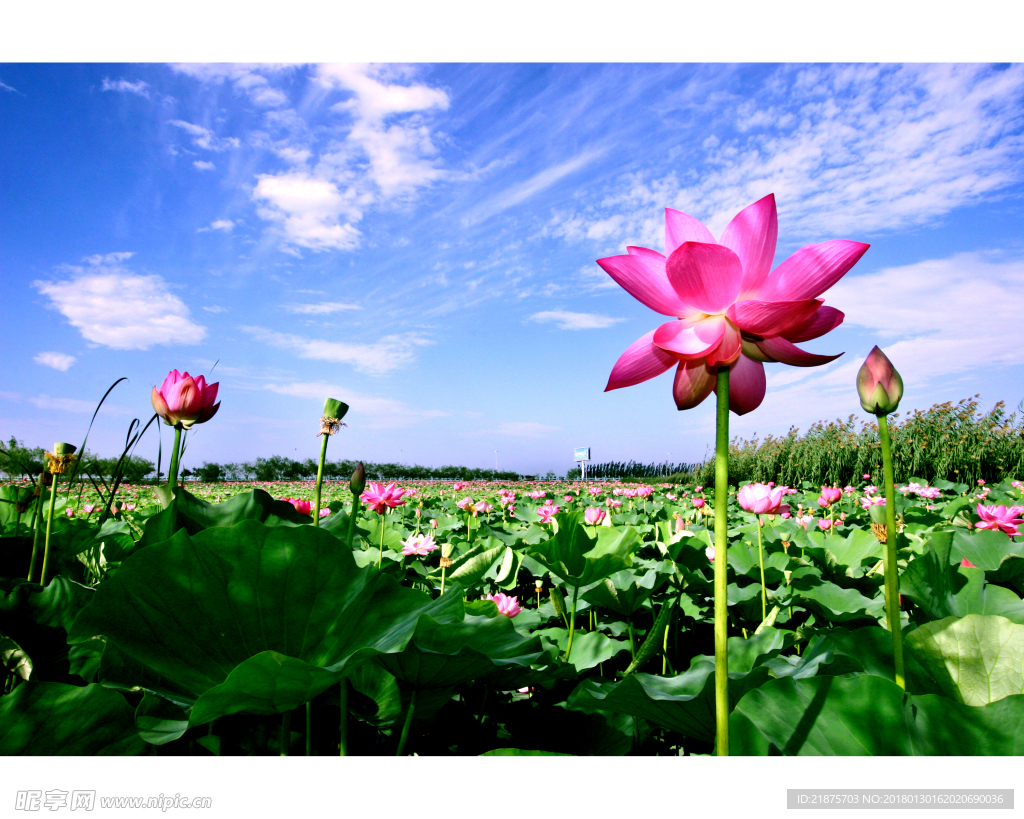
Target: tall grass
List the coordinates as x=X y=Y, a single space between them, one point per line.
x=954 y=442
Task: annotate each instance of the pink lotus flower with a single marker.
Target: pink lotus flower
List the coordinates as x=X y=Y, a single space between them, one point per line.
x=418 y=545
x=965 y=563
x=824 y=524
x=184 y=400
x=70 y=512
x=594 y=516
x=466 y=504
x=611 y=503
x=324 y=512
x=481 y=507
x=302 y=506
x=509 y=606
x=537 y=495
x=697 y=503
x=829 y=494
x=761 y=498
x=710 y=553
x=732 y=310
x=380 y=498
x=433 y=523
x=89 y=508
x=866 y=476
x=547 y=513
x=1004 y=518
x=457 y=486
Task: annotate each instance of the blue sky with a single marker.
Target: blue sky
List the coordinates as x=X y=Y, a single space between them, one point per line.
x=419 y=240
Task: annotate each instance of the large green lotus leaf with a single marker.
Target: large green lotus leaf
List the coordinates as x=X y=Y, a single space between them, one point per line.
x=38 y=619
x=469 y=568
x=624 y=592
x=684 y=703
x=845 y=554
x=975 y=659
x=159 y=721
x=838 y=604
x=195 y=514
x=375 y=696
x=441 y=655
x=579 y=558
x=196 y=607
x=589 y=648
x=121 y=672
x=744 y=560
x=14 y=659
x=943 y=590
x=869 y=716
x=521 y=752
x=56 y=719
x=985 y=548
x=10 y=496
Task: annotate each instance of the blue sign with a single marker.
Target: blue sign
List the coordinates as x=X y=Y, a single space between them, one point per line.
x=583 y=453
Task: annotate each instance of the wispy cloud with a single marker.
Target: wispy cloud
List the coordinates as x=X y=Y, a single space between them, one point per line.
x=389 y=353
x=10 y=88
x=380 y=413
x=865 y=148
x=205 y=138
x=126 y=87
x=78 y=406
x=203 y=165
x=534 y=185
x=520 y=429
x=575 y=321
x=112 y=306
x=321 y=308
x=58 y=361
x=225 y=225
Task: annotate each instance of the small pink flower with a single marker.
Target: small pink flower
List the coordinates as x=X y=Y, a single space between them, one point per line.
x=760 y=498
x=481 y=507
x=70 y=513
x=824 y=524
x=981 y=482
x=89 y=508
x=433 y=523
x=302 y=506
x=594 y=516
x=569 y=498
x=866 y=476
x=324 y=512
x=418 y=545
x=547 y=513
x=466 y=504
x=829 y=495
x=611 y=503
x=509 y=606
x=698 y=503
x=670 y=496
x=710 y=552
x=458 y=486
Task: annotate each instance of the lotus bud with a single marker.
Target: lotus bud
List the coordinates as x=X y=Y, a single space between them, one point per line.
x=879 y=385
x=357 y=483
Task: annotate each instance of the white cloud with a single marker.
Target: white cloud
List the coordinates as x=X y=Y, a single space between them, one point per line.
x=846 y=149
x=215 y=308
x=59 y=361
x=225 y=225
x=205 y=138
x=78 y=406
x=575 y=321
x=321 y=308
x=112 y=306
x=309 y=211
x=203 y=165
x=381 y=413
x=521 y=429
x=10 y=88
x=535 y=184
x=374 y=97
x=125 y=87
x=389 y=353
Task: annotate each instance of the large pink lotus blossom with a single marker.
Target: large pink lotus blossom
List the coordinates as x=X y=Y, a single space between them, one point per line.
x=762 y=499
x=594 y=516
x=547 y=513
x=509 y=606
x=184 y=400
x=1004 y=518
x=380 y=498
x=732 y=309
x=418 y=545
x=829 y=495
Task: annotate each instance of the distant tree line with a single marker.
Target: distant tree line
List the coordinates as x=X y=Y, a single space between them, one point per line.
x=19 y=461
x=278 y=468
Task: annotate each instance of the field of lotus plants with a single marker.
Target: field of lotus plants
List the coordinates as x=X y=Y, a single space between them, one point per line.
x=542 y=618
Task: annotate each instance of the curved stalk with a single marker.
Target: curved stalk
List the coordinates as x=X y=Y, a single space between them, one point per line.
x=572 y=622
x=319 y=481
x=721 y=564
x=172 y=474
x=49 y=524
x=406 y=724
x=760 y=559
x=37 y=516
x=892 y=581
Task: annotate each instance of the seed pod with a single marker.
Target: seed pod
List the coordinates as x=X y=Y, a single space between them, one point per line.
x=558 y=601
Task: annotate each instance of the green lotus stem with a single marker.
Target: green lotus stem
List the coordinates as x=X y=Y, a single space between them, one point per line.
x=352 y=520
x=572 y=622
x=36 y=517
x=721 y=565
x=172 y=474
x=286 y=731
x=406 y=724
x=892 y=581
x=443 y=570
x=632 y=648
x=309 y=728
x=343 y=722
x=380 y=557
x=664 y=653
x=760 y=559
x=319 y=482
x=49 y=524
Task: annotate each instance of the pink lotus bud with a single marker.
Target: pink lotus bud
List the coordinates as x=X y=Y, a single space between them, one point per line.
x=710 y=552
x=760 y=498
x=357 y=483
x=183 y=400
x=879 y=385
x=594 y=516
x=698 y=503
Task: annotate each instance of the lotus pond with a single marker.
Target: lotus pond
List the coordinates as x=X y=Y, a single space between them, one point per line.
x=502 y=618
